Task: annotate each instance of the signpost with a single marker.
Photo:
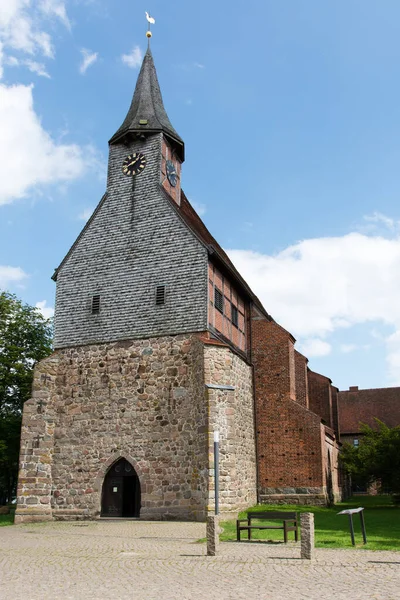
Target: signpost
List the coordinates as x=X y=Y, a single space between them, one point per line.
x=350 y=512
x=216 y=470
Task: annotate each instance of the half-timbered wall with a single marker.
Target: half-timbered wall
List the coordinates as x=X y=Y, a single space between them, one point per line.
x=221 y=317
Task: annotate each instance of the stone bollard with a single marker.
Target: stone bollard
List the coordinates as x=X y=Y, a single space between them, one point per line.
x=307 y=535
x=212 y=535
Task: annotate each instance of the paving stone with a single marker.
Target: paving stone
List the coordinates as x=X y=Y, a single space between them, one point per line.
x=152 y=560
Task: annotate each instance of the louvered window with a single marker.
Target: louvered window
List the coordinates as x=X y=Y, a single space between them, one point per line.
x=95 y=305
x=218 y=300
x=234 y=314
x=160 y=295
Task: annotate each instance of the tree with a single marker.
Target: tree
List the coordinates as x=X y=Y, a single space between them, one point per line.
x=25 y=338
x=377 y=457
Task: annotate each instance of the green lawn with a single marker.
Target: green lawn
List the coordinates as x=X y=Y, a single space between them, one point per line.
x=382 y=523
x=7 y=519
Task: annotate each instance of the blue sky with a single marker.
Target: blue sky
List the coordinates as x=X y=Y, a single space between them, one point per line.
x=290 y=113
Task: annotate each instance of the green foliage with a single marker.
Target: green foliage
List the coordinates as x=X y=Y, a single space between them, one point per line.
x=377 y=457
x=7 y=519
x=25 y=338
x=10 y=426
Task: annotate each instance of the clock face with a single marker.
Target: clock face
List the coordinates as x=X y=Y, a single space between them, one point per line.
x=171 y=173
x=134 y=164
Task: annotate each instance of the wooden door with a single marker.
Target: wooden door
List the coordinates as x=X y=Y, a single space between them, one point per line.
x=121 y=491
x=113 y=496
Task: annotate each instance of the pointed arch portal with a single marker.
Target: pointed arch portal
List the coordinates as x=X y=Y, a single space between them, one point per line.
x=121 y=491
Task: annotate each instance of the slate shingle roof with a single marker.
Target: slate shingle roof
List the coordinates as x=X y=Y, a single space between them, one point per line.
x=147 y=105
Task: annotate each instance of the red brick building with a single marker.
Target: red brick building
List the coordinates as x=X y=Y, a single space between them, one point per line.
x=364 y=406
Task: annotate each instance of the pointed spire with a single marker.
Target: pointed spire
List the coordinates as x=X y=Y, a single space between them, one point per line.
x=147 y=112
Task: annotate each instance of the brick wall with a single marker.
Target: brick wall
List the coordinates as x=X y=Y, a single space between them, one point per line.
x=335 y=410
x=320 y=397
x=169 y=154
x=301 y=379
x=290 y=437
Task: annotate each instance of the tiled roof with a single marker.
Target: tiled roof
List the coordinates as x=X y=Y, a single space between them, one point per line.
x=365 y=405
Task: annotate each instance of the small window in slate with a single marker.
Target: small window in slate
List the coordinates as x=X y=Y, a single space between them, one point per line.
x=95 y=305
x=160 y=295
x=235 y=318
x=218 y=300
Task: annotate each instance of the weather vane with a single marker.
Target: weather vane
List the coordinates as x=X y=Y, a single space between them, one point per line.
x=151 y=22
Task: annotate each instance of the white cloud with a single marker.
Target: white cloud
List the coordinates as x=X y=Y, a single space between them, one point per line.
x=89 y=58
x=85 y=214
x=37 y=68
x=134 y=59
x=315 y=347
x=12 y=61
x=23 y=26
x=199 y=207
x=29 y=157
x=347 y=348
x=190 y=66
x=379 y=224
x=318 y=286
x=1 y=60
x=11 y=276
x=55 y=8
x=47 y=311
x=247 y=227
x=33 y=65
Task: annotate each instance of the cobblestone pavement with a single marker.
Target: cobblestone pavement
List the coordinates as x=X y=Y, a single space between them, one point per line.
x=156 y=561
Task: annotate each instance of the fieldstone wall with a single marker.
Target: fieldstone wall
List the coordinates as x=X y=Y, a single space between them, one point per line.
x=37 y=445
x=140 y=399
x=232 y=414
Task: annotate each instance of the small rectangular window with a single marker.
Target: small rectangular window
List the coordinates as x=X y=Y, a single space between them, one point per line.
x=95 y=305
x=356 y=443
x=234 y=314
x=160 y=295
x=218 y=300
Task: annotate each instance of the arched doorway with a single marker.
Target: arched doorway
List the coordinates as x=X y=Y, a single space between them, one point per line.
x=121 y=491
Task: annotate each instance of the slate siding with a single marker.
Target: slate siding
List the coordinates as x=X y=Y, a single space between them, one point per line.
x=134 y=242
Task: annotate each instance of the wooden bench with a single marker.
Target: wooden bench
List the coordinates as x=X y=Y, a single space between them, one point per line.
x=289 y=523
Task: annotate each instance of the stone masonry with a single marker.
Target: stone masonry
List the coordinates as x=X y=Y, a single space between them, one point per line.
x=143 y=400
x=232 y=414
x=307 y=536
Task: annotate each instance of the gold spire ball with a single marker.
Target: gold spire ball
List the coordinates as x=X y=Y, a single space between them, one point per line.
x=151 y=22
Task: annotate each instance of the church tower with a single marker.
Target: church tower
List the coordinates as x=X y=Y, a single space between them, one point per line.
x=135 y=270
x=151 y=352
